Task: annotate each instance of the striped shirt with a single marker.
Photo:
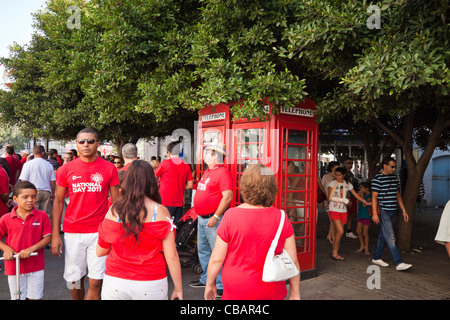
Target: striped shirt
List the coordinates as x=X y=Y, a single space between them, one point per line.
x=387 y=186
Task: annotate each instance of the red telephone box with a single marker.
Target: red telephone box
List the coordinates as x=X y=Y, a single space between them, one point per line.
x=288 y=143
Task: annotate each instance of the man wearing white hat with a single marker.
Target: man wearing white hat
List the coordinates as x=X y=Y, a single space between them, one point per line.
x=211 y=200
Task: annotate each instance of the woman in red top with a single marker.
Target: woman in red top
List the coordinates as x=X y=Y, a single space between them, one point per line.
x=243 y=239
x=139 y=238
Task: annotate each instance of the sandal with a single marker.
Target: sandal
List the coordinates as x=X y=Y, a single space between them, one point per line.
x=336 y=257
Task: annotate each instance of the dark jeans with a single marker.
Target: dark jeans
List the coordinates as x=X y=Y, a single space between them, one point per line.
x=176 y=213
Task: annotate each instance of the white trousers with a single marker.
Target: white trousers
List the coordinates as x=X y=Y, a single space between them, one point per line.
x=123 y=289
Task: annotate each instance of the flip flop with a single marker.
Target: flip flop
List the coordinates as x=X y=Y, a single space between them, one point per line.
x=336 y=257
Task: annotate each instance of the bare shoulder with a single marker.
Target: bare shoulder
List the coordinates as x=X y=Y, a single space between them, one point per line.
x=162 y=213
x=110 y=215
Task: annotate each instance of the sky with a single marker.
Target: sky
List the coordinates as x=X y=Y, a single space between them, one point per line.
x=16 y=24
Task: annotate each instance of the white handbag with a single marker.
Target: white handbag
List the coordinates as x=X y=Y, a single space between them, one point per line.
x=278 y=267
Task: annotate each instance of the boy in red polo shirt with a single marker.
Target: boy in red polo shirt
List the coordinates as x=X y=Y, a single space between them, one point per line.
x=27 y=230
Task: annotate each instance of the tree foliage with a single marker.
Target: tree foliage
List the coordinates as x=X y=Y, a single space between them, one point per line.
x=395 y=77
x=69 y=78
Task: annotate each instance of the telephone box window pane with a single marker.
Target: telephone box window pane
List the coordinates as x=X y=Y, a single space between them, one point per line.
x=296 y=152
x=297 y=136
x=249 y=147
x=210 y=136
x=302 y=245
x=253 y=135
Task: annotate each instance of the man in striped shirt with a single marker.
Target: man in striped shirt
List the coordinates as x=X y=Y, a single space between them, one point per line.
x=386 y=189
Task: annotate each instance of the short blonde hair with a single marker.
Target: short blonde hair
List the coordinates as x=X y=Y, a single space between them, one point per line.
x=259 y=186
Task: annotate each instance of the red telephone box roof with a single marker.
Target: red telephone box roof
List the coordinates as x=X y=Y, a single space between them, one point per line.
x=219 y=112
x=305 y=109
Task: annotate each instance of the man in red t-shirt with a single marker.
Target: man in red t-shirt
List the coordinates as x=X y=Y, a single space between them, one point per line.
x=129 y=154
x=4 y=192
x=211 y=200
x=13 y=164
x=89 y=179
x=175 y=176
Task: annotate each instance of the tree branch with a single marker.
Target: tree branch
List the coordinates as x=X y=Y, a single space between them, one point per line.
x=396 y=137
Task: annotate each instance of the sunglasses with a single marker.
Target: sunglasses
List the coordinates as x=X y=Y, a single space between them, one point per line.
x=117 y=162
x=89 y=141
x=393 y=167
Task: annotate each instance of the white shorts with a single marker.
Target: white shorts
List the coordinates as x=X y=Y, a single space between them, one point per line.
x=31 y=285
x=80 y=255
x=123 y=289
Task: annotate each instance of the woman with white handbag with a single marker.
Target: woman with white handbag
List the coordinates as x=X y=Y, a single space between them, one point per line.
x=255 y=245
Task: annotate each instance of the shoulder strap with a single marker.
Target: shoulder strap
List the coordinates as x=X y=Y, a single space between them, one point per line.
x=389 y=189
x=280 y=227
x=154 y=212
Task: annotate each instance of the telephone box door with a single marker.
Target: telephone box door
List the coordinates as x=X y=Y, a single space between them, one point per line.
x=251 y=145
x=299 y=153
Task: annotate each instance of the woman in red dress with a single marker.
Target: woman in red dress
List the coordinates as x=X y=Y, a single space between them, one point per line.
x=138 y=236
x=243 y=239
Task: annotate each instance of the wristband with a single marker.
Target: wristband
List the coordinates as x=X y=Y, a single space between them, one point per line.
x=217 y=218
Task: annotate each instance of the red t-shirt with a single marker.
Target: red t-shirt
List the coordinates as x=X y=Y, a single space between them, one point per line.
x=88 y=184
x=209 y=189
x=173 y=174
x=22 y=234
x=124 y=168
x=249 y=233
x=143 y=261
x=4 y=189
x=57 y=174
x=14 y=165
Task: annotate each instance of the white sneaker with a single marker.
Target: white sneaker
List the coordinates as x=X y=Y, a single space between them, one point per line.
x=351 y=235
x=403 y=266
x=380 y=262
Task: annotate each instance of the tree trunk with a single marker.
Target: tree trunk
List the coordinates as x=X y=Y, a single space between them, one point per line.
x=409 y=200
x=415 y=170
x=119 y=145
x=120 y=142
x=375 y=147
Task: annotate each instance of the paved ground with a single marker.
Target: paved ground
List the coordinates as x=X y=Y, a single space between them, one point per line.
x=428 y=279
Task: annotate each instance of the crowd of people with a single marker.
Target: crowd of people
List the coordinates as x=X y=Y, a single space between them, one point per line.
x=376 y=201
x=118 y=216
x=118 y=219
